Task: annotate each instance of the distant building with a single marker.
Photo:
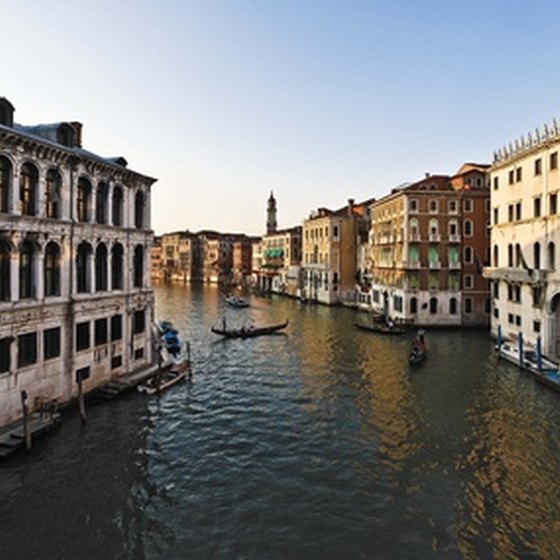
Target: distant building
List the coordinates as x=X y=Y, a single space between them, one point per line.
x=525 y=276
x=156 y=261
x=329 y=253
x=429 y=241
x=75 y=237
x=181 y=256
x=241 y=259
x=280 y=262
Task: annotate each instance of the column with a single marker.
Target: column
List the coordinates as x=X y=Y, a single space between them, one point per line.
x=14 y=275
x=110 y=186
x=90 y=272
x=39 y=275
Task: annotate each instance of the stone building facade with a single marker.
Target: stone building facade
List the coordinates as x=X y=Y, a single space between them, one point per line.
x=429 y=241
x=330 y=253
x=75 y=292
x=181 y=256
x=279 y=270
x=524 y=270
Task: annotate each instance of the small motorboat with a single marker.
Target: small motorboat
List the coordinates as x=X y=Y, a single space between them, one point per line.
x=236 y=301
x=162 y=381
x=249 y=332
x=172 y=347
x=510 y=352
x=546 y=372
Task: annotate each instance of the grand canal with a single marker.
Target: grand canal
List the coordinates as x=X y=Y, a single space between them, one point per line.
x=319 y=443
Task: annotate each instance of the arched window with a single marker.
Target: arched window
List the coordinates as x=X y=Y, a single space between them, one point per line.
x=496 y=256
x=101 y=200
x=5 y=258
x=518 y=256
x=138 y=266
x=468 y=254
x=117 y=206
x=53 y=194
x=551 y=255
x=468 y=227
x=101 y=268
x=26 y=270
x=117 y=267
x=433 y=305
x=52 y=269
x=537 y=255
x=413 y=305
x=434 y=228
x=139 y=209
x=453 y=306
x=5 y=183
x=453 y=228
x=83 y=273
x=28 y=181
x=414 y=230
x=84 y=199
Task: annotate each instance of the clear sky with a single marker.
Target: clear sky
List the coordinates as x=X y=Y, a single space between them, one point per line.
x=317 y=100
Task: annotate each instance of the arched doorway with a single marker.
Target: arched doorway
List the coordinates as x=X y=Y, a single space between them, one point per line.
x=554 y=325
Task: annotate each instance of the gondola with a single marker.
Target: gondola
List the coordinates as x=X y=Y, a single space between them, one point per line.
x=381 y=329
x=249 y=332
x=418 y=352
x=417 y=355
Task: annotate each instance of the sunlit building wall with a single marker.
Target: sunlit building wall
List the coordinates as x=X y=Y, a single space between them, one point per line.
x=525 y=187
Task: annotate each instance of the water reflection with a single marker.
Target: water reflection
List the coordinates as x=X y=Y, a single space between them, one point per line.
x=319 y=443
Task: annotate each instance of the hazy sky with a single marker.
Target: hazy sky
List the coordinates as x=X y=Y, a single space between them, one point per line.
x=317 y=100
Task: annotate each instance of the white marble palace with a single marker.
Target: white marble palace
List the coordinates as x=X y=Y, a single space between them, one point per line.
x=525 y=270
x=75 y=293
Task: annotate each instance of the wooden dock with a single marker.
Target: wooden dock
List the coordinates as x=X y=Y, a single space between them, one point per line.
x=128 y=382
x=12 y=438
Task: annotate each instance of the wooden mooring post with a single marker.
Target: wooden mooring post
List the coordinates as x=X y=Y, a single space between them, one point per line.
x=81 y=400
x=26 y=431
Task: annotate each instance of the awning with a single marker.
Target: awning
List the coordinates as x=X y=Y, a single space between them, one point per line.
x=274 y=253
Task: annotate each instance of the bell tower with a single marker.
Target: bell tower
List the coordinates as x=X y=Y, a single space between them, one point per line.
x=271 y=223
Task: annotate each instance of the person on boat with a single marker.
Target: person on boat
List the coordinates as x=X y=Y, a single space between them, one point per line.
x=390 y=323
x=420 y=337
x=224 y=322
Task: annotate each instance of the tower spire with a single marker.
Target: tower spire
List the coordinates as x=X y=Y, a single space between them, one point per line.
x=271 y=223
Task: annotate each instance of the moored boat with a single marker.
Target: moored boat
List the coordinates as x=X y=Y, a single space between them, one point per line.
x=162 y=381
x=381 y=329
x=236 y=301
x=249 y=332
x=544 y=370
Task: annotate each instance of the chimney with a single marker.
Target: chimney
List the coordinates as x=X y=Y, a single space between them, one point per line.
x=350 y=206
x=77 y=133
x=427 y=174
x=6 y=112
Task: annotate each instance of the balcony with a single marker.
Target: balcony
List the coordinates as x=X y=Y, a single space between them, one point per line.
x=454 y=238
x=434 y=265
x=414 y=238
x=435 y=238
x=455 y=265
x=523 y=275
x=412 y=265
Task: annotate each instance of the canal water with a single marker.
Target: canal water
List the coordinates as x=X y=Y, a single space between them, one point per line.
x=318 y=443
